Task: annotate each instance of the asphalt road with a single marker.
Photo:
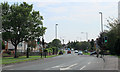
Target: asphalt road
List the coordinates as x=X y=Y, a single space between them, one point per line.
x=62 y=62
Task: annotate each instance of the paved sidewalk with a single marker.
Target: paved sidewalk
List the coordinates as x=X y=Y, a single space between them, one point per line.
x=111 y=62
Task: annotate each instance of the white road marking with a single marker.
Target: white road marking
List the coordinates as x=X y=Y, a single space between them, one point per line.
x=82 y=67
x=89 y=62
x=11 y=69
x=56 y=66
x=8 y=66
x=67 y=68
x=64 y=68
x=47 y=69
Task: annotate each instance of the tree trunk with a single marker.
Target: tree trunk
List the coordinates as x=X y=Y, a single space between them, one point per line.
x=15 y=55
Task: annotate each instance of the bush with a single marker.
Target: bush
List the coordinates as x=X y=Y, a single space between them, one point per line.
x=3 y=46
x=9 y=52
x=49 y=50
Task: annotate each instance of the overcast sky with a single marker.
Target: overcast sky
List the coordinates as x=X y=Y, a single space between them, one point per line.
x=73 y=17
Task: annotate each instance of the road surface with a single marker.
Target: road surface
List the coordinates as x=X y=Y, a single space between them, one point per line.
x=63 y=62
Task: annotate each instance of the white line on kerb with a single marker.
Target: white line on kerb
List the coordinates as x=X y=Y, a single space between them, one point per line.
x=82 y=67
x=89 y=62
x=8 y=66
x=11 y=69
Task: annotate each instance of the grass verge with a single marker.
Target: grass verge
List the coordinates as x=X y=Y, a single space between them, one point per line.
x=86 y=53
x=11 y=60
x=118 y=56
x=115 y=55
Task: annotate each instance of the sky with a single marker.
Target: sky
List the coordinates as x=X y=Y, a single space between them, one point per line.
x=73 y=17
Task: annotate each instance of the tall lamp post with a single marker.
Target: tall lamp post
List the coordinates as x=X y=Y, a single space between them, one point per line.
x=56 y=31
x=101 y=21
x=86 y=35
x=102 y=32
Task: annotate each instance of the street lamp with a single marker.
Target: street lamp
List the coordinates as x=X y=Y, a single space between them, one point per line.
x=86 y=35
x=56 y=31
x=102 y=31
x=101 y=21
x=79 y=38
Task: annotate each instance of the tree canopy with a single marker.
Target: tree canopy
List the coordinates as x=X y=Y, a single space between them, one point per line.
x=79 y=45
x=21 y=23
x=113 y=35
x=56 y=43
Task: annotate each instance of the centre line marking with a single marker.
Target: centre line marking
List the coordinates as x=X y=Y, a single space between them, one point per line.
x=82 y=67
x=67 y=68
x=89 y=63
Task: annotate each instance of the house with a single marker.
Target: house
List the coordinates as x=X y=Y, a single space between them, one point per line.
x=22 y=46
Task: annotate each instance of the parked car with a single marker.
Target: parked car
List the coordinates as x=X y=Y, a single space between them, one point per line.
x=65 y=48
x=72 y=49
x=86 y=51
x=76 y=51
x=68 y=52
x=80 y=53
x=92 y=53
x=60 y=53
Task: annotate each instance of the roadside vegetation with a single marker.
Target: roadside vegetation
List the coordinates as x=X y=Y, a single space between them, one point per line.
x=11 y=60
x=23 y=24
x=113 y=36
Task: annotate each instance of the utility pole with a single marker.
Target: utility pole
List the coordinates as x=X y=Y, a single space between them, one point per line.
x=56 y=31
x=86 y=35
x=63 y=41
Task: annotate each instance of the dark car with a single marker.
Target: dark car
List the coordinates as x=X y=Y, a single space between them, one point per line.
x=92 y=53
x=68 y=52
x=80 y=53
x=60 y=53
x=86 y=51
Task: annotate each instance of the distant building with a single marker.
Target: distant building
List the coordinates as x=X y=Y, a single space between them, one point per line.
x=22 y=46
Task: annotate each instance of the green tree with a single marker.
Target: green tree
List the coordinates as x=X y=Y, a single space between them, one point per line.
x=82 y=45
x=20 y=23
x=3 y=45
x=79 y=45
x=56 y=43
x=113 y=35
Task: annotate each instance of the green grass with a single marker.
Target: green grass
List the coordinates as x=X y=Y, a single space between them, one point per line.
x=86 y=53
x=11 y=60
x=51 y=56
x=115 y=55
x=118 y=56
